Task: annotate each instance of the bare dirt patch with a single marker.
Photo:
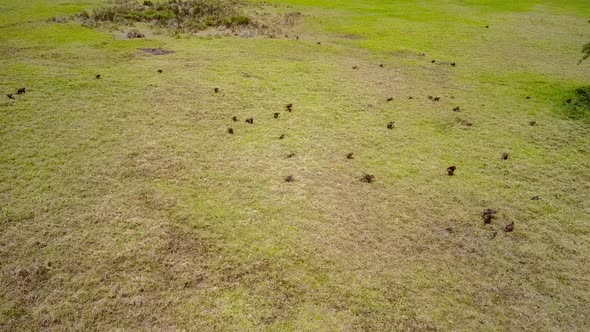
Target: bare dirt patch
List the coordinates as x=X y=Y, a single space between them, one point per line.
x=156 y=51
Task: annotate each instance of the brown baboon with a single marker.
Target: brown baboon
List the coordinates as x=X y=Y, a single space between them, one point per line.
x=451 y=170
x=390 y=99
x=230 y=131
x=234 y=118
x=97 y=76
x=355 y=67
x=250 y=120
x=349 y=156
x=532 y=123
x=368 y=178
x=289 y=107
x=276 y=115
x=291 y=155
x=509 y=228
x=10 y=96
x=282 y=136
x=505 y=156
x=20 y=91
x=436 y=99
x=457 y=109
x=453 y=64
x=216 y=90
x=390 y=125
x=160 y=71
x=488 y=215
x=289 y=178
x=381 y=65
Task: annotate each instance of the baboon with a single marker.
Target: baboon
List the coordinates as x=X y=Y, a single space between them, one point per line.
x=390 y=125
x=276 y=115
x=355 y=67
x=457 y=109
x=97 y=76
x=381 y=65
x=10 y=96
x=234 y=118
x=453 y=64
x=532 y=123
x=230 y=131
x=20 y=91
x=433 y=61
x=568 y=101
x=319 y=43
x=410 y=97
x=509 y=228
x=368 y=178
x=488 y=215
x=430 y=97
x=487 y=26
x=528 y=97
x=349 y=156
x=289 y=107
x=451 y=170
x=297 y=38
x=390 y=99
x=250 y=120
x=291 y=155
x=536 y=198
x=436 y=99
x=505 y=156
x=216 y=90
x=160 y=71
x=289 y=178
x=282 y=136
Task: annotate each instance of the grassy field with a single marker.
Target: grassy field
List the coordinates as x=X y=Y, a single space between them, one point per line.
x=125 y=204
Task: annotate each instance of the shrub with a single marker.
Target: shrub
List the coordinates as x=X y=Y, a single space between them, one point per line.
x=134 y=33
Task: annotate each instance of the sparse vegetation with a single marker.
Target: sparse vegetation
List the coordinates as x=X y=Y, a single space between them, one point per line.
x=585 y=52
x=184 y=15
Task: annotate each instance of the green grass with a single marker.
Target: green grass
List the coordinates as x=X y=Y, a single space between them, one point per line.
x=124 y=203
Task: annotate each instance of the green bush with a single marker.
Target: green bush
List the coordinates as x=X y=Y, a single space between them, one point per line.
x=579 y=106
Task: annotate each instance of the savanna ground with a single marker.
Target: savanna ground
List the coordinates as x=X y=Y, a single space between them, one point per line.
x=125 y=203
